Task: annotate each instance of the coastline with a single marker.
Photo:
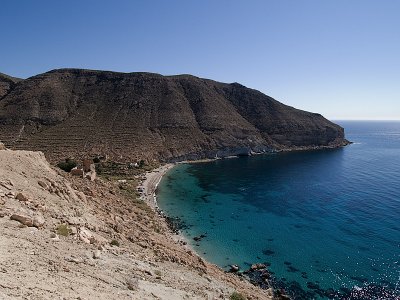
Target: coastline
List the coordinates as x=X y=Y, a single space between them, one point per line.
x=150 y=184
x=115 y=247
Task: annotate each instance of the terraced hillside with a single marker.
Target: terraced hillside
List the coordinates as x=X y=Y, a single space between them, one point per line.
x=130 y=116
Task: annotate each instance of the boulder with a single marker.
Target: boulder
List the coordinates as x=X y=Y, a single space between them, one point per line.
x=38 y=220
x=22 y=197
x=89 y=237
x=85 y=235
x=257 y=266
x=86 y=165
x=2 y=147
x=75 y=221
x=234 y=268
x=10 y=194
x=43 y=184
x=77 y=172
x=22 y=218
x=96 y=254
x=132 y=284
x=91 y=175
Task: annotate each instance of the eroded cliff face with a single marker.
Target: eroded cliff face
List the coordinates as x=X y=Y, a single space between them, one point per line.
x=71 y=112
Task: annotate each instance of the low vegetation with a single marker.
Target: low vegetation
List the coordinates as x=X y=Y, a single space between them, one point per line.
x=237 y=296
x=114 y=243
x=63 y=230
x=67 y=165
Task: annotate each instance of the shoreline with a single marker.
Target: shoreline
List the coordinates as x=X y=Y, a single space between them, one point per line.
x=150 y=184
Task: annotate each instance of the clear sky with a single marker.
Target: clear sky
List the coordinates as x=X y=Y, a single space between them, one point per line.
x=340 y=58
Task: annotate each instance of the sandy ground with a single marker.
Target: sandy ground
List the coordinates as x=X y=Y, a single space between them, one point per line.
x=151 y=182
x=41 y=263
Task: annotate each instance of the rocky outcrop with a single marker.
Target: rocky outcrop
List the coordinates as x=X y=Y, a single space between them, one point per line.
x=7 y=83
x=128 y=116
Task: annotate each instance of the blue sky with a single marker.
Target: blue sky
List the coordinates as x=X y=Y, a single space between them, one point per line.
x=340 y=58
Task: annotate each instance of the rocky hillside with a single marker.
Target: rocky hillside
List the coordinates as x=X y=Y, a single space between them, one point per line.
x=65 y=237
x=130 y=116
x=7 y=83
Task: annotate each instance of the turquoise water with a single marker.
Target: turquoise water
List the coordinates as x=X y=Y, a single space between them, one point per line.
x=330 y=218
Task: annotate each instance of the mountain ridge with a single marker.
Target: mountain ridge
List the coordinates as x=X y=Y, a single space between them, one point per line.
x=139 y=115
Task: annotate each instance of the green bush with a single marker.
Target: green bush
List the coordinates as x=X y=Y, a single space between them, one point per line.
x=114 y=243
x=63 y=230
x=237 y=296
x=67 y=165
x=141 y=163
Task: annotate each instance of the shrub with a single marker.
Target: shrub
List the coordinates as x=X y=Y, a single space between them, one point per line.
x=67 y=165
x=114 y=243
x=237 y=296
x=141 y=163
x=63 y=230
x=99 y=168
x=96 y=160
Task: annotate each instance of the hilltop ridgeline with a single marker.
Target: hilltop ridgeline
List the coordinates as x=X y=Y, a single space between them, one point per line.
x=73 y=112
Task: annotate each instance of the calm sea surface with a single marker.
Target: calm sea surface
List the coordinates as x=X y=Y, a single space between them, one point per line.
x=324 y=220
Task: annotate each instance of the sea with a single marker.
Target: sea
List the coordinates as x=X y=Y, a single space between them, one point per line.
x=326 y=223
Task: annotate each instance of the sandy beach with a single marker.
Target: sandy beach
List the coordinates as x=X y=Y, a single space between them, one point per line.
x=149 y=185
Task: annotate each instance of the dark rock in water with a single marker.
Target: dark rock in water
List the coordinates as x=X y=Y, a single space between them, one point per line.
x=199 y=238
x=287 y=263
x=330 y=293
x=257 y=266
x=265 y=274
x=371 y=291
x=265 y=279
x=175 y=224
x=312 y=285
x=292 y=269
x=345 y=290
x=234 y=268
x=131 y=115
x=268 y=252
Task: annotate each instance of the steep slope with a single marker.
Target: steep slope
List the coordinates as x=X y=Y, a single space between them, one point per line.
x=128 y=116
x=7 y=83
x=66 y=252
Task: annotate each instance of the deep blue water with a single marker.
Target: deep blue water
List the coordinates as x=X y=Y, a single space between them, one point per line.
x=329 y=217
